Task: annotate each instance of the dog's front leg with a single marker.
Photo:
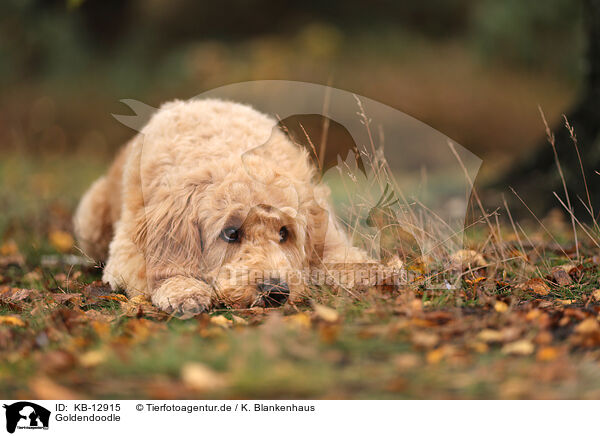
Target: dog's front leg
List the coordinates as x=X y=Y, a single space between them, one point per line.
x=183 y=296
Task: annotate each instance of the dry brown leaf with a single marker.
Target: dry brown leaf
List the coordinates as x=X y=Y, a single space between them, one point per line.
x=536 y=286
x=200 y=377
x=62 y=297
x=561 y=276
x=11 y=295
x=139 y=306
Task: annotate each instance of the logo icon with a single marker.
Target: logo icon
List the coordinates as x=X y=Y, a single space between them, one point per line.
x=26 y=415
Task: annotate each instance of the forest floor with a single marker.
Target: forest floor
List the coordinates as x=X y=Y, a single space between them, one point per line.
x=525 y=327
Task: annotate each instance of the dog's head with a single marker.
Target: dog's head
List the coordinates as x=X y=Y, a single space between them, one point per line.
x=250 y=240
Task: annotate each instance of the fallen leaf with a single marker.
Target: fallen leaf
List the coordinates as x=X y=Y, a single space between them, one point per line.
x=201 y=378
x=435 y=356
x=62 y=297
x=141 y=306
x=535 y=285
x=561 y=276
x=11 y=295
x=546 y=354
x=596 y=295
x=522 y=347
x=489 y=335
x=301 y=320
x=114 y=297
x=500 y=306
x=325 y=313
x=221 y=321
x=12 y=320
x=425 y=339
x=61 y=241
x=588 y=326
x=238 y=320
x=533 y=314
x=92 y=358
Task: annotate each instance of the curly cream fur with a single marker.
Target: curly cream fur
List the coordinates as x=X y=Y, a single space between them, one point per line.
x=196 y=168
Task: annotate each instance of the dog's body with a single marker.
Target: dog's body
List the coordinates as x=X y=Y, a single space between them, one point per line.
x=197 y=210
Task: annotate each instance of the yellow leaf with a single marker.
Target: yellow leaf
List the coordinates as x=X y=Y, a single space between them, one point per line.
x=588 y=326
x=547 y=354
x=500 y=307
x=60 y=240
x=489 y=335
x=522 y=347
x=12 y=320
x=115 y=297
x=201 y=378
x=533 y=314
x=92 y=358
x=596 y=295
x=326 y=313
x=298 y=320
x=220 y=320
x=435 y=356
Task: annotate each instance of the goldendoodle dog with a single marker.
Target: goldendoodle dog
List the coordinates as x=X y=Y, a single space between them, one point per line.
x=211 y=204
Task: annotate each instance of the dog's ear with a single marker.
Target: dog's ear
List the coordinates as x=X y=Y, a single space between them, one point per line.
x=167 y=231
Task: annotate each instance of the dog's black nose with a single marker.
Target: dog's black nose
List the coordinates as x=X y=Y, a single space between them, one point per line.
x=274 y=292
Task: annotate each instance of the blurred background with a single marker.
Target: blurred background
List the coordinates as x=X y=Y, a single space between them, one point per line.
x=476 y=70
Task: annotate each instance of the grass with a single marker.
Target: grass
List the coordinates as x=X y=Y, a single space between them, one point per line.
x=497 y=335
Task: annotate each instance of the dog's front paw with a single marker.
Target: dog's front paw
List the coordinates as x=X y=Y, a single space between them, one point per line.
x=183 y=297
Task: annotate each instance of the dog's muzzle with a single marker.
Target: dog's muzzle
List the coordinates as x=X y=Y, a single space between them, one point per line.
x=273 y=292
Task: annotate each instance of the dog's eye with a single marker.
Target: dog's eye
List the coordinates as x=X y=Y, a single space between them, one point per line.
x=230 y=234
x=283 y=234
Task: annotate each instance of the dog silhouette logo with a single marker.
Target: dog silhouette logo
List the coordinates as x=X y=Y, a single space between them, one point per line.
x=26 y=415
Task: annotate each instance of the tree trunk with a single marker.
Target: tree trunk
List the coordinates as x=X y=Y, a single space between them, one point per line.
x=537 y=176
